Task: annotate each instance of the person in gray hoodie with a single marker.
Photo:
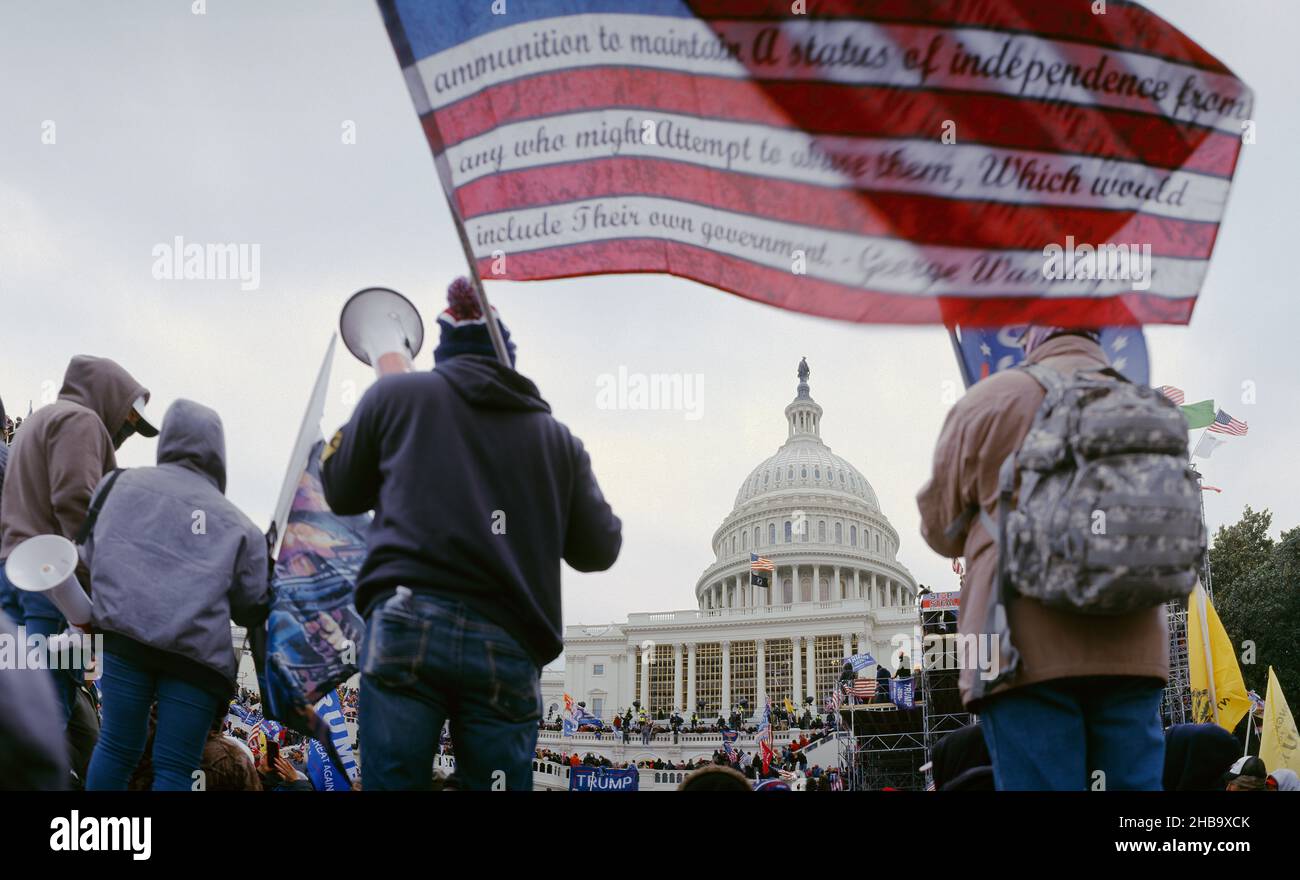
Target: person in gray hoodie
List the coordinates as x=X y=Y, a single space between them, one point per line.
x=171 y=563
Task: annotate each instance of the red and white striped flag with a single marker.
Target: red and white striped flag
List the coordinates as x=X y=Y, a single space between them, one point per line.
x=1226 y=424
x=1174 y=394
x=894 y=161
x=864 y=688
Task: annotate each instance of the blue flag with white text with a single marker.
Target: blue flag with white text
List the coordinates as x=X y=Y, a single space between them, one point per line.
x=983 y=352
x=324 y=774
x=902 y=692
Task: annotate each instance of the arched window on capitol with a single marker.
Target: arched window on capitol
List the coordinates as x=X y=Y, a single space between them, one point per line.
x=771 y=533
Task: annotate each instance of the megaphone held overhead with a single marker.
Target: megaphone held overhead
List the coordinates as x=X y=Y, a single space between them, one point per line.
x=382 y=328
x=48 y=564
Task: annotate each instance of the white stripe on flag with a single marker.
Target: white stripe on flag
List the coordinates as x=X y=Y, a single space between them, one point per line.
x=886 y=264
x=967 y=171
x=654 y=41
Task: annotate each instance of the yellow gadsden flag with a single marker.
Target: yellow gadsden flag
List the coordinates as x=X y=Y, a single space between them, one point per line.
x=1279 y=744
x=1220 y=699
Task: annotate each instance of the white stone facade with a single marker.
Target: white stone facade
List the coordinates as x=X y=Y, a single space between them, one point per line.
x=838 y=589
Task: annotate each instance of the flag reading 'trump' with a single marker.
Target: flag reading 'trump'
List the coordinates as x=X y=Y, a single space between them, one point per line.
x=983 y=352
x=889 y=162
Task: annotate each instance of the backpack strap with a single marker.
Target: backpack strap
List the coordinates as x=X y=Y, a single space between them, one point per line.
x=92 y=515
x=1050 y=379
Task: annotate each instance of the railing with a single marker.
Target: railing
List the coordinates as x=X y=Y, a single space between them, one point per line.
x=661 y=738
x=697 y=614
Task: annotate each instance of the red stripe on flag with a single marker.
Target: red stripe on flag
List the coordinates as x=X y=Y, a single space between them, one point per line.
x=923 y=219
x=824 y=108
x=812 y=296
x=1125 y=25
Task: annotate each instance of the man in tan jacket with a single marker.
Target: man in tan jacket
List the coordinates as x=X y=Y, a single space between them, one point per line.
x=55 y=462
x=1081 y=709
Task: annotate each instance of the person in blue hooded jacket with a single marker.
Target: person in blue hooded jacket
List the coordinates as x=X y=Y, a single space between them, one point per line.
x=478 y=494
x=172 y=562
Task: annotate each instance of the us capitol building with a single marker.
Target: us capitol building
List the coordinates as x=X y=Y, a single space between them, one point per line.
x=838 y=589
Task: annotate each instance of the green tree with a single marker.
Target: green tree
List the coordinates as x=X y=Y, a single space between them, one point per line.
x=1256 y=583
x=1238 y=550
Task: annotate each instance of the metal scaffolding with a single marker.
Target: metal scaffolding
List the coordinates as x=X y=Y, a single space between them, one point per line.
x=1176 y=708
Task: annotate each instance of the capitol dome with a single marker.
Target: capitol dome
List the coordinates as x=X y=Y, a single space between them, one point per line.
x=815 y=517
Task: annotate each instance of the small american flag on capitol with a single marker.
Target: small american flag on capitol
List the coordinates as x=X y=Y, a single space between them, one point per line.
x=759 y=563
x=738 y=144
x=1226 y=424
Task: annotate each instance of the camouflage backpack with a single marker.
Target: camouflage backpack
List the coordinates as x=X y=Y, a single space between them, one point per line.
x=1108 y=517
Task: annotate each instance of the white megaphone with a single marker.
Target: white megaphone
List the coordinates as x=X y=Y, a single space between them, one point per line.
x=48 y=564
x=383 y=329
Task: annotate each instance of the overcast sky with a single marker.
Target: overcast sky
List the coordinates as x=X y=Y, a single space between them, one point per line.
x=227 y=127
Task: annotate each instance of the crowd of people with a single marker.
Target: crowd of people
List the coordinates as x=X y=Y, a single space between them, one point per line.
x=168 y=562
x=459 y=621
x=791 y=763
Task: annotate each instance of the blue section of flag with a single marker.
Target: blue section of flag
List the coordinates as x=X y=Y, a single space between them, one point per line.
x=902 y=692
x=859 y=661
x=604 y=779
x=330 y=711
x=433 y=27
x=982 y=353
x=324 y=774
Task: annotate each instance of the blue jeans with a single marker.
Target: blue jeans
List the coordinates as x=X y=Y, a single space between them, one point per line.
x=430 y=659
x=9 y=598
x=185 y=714
x=38 y=616
x=1055 y=735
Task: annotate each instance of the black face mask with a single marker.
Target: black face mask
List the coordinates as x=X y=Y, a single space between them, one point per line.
x=123 y=432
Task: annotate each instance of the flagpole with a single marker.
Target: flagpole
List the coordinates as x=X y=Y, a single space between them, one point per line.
x=309 y=431
x=406 y=61
x=1200 y=484
x=476 y=281
x=1250 y=722
x=1209 y=660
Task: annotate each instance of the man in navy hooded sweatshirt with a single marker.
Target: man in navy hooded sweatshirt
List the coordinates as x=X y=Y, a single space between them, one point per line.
x=478 y=493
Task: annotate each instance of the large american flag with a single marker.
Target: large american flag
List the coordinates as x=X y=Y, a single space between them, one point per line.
x=892 y=161
x=1226 y=424
x=760 y=563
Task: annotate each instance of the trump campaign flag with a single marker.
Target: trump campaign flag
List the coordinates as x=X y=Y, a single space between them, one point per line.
x=978 y=161
x=313 y=633
x=323 y=773
x=981 y=353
